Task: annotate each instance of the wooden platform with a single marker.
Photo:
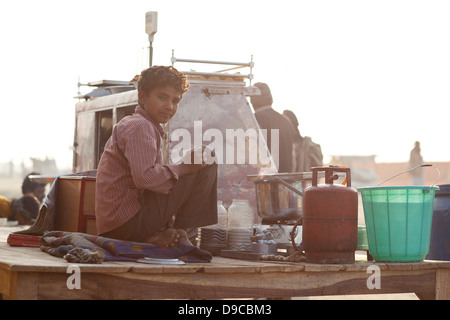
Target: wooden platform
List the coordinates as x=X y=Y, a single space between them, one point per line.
x=29 y=273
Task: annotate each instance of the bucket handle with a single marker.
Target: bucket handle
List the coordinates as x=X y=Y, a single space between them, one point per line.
x=420 y=165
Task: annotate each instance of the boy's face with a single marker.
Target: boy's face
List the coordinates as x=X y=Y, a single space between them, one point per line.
x=39 y=192
x=161 y=103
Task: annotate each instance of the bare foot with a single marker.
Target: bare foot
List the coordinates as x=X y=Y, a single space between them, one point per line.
x=183 y=238
x=167 y=238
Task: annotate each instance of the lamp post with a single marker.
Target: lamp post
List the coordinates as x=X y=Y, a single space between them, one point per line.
x=151 y=26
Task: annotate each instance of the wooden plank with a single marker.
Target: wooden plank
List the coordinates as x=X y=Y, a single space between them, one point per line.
x=203 y=285
x=231 y=269
x=167 y=269
x=443 y=284
x=363 y=265
x=324 y=267
x=226 y=265
x=214 y=286
x=275 y=285
x=107 y=286
x=19 y=286
x=24 y=286
x=29 y=272
x=29 y=259
x=34 y=256
x=54 y=287
x=286 y=268
x=5 y=282
x=242 y=255
x=23 y=259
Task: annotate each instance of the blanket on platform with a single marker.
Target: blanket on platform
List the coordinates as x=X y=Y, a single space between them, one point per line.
x=84 y=248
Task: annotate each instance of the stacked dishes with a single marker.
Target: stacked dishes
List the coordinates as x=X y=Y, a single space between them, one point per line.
x=214 y=238
x=240 y=239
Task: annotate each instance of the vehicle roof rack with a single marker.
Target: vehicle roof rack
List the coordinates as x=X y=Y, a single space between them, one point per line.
x=221 y=73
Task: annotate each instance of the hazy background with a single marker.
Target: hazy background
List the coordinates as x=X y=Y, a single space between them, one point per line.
x=363 y=77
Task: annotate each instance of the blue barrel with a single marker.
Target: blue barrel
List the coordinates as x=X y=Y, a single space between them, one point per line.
x=440 y=228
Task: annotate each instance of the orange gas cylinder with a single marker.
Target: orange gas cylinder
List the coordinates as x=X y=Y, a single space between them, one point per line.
x=330 y=219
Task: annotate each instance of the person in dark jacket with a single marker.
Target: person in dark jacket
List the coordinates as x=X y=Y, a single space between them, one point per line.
x=298 y=164
x=268 y=118
x=307 y=154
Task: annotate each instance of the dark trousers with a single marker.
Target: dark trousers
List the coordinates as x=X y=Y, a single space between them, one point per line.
x=193 y=202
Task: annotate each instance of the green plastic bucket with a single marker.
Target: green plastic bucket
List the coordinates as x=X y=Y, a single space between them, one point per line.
x=398 y=221
x=362 y=243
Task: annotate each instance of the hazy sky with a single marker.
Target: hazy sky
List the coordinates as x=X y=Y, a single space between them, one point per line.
x=363 y=77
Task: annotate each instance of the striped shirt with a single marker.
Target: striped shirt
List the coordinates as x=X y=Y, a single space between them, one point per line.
x=130 y=163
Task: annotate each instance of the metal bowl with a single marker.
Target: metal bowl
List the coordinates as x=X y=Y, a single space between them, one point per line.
x=279 y=196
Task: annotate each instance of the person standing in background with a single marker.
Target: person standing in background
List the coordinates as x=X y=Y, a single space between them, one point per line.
x=306 y=153
x=415 y=159
x=297 y=164
x=270 y=119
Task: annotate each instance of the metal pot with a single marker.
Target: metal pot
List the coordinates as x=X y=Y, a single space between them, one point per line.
x=279 y=196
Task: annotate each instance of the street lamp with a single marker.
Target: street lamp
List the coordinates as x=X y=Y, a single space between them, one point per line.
x=151 y=26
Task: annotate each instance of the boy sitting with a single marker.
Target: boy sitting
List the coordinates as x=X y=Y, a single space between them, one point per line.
x=138 y=198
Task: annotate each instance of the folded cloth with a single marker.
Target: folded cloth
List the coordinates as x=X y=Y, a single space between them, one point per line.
x=81 y=255
x=95 y=249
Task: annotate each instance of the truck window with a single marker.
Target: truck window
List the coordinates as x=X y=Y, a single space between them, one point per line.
x=104 y=130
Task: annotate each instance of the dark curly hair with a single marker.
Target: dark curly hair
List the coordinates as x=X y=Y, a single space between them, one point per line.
x=161 y=76
x=28 y=185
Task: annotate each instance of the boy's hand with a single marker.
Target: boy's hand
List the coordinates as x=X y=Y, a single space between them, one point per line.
x=195 y=160
x=200 y=155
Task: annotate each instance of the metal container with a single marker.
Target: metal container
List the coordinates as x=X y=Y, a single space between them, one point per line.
x=440 y=229
x=279 y=196
x=330 y=219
